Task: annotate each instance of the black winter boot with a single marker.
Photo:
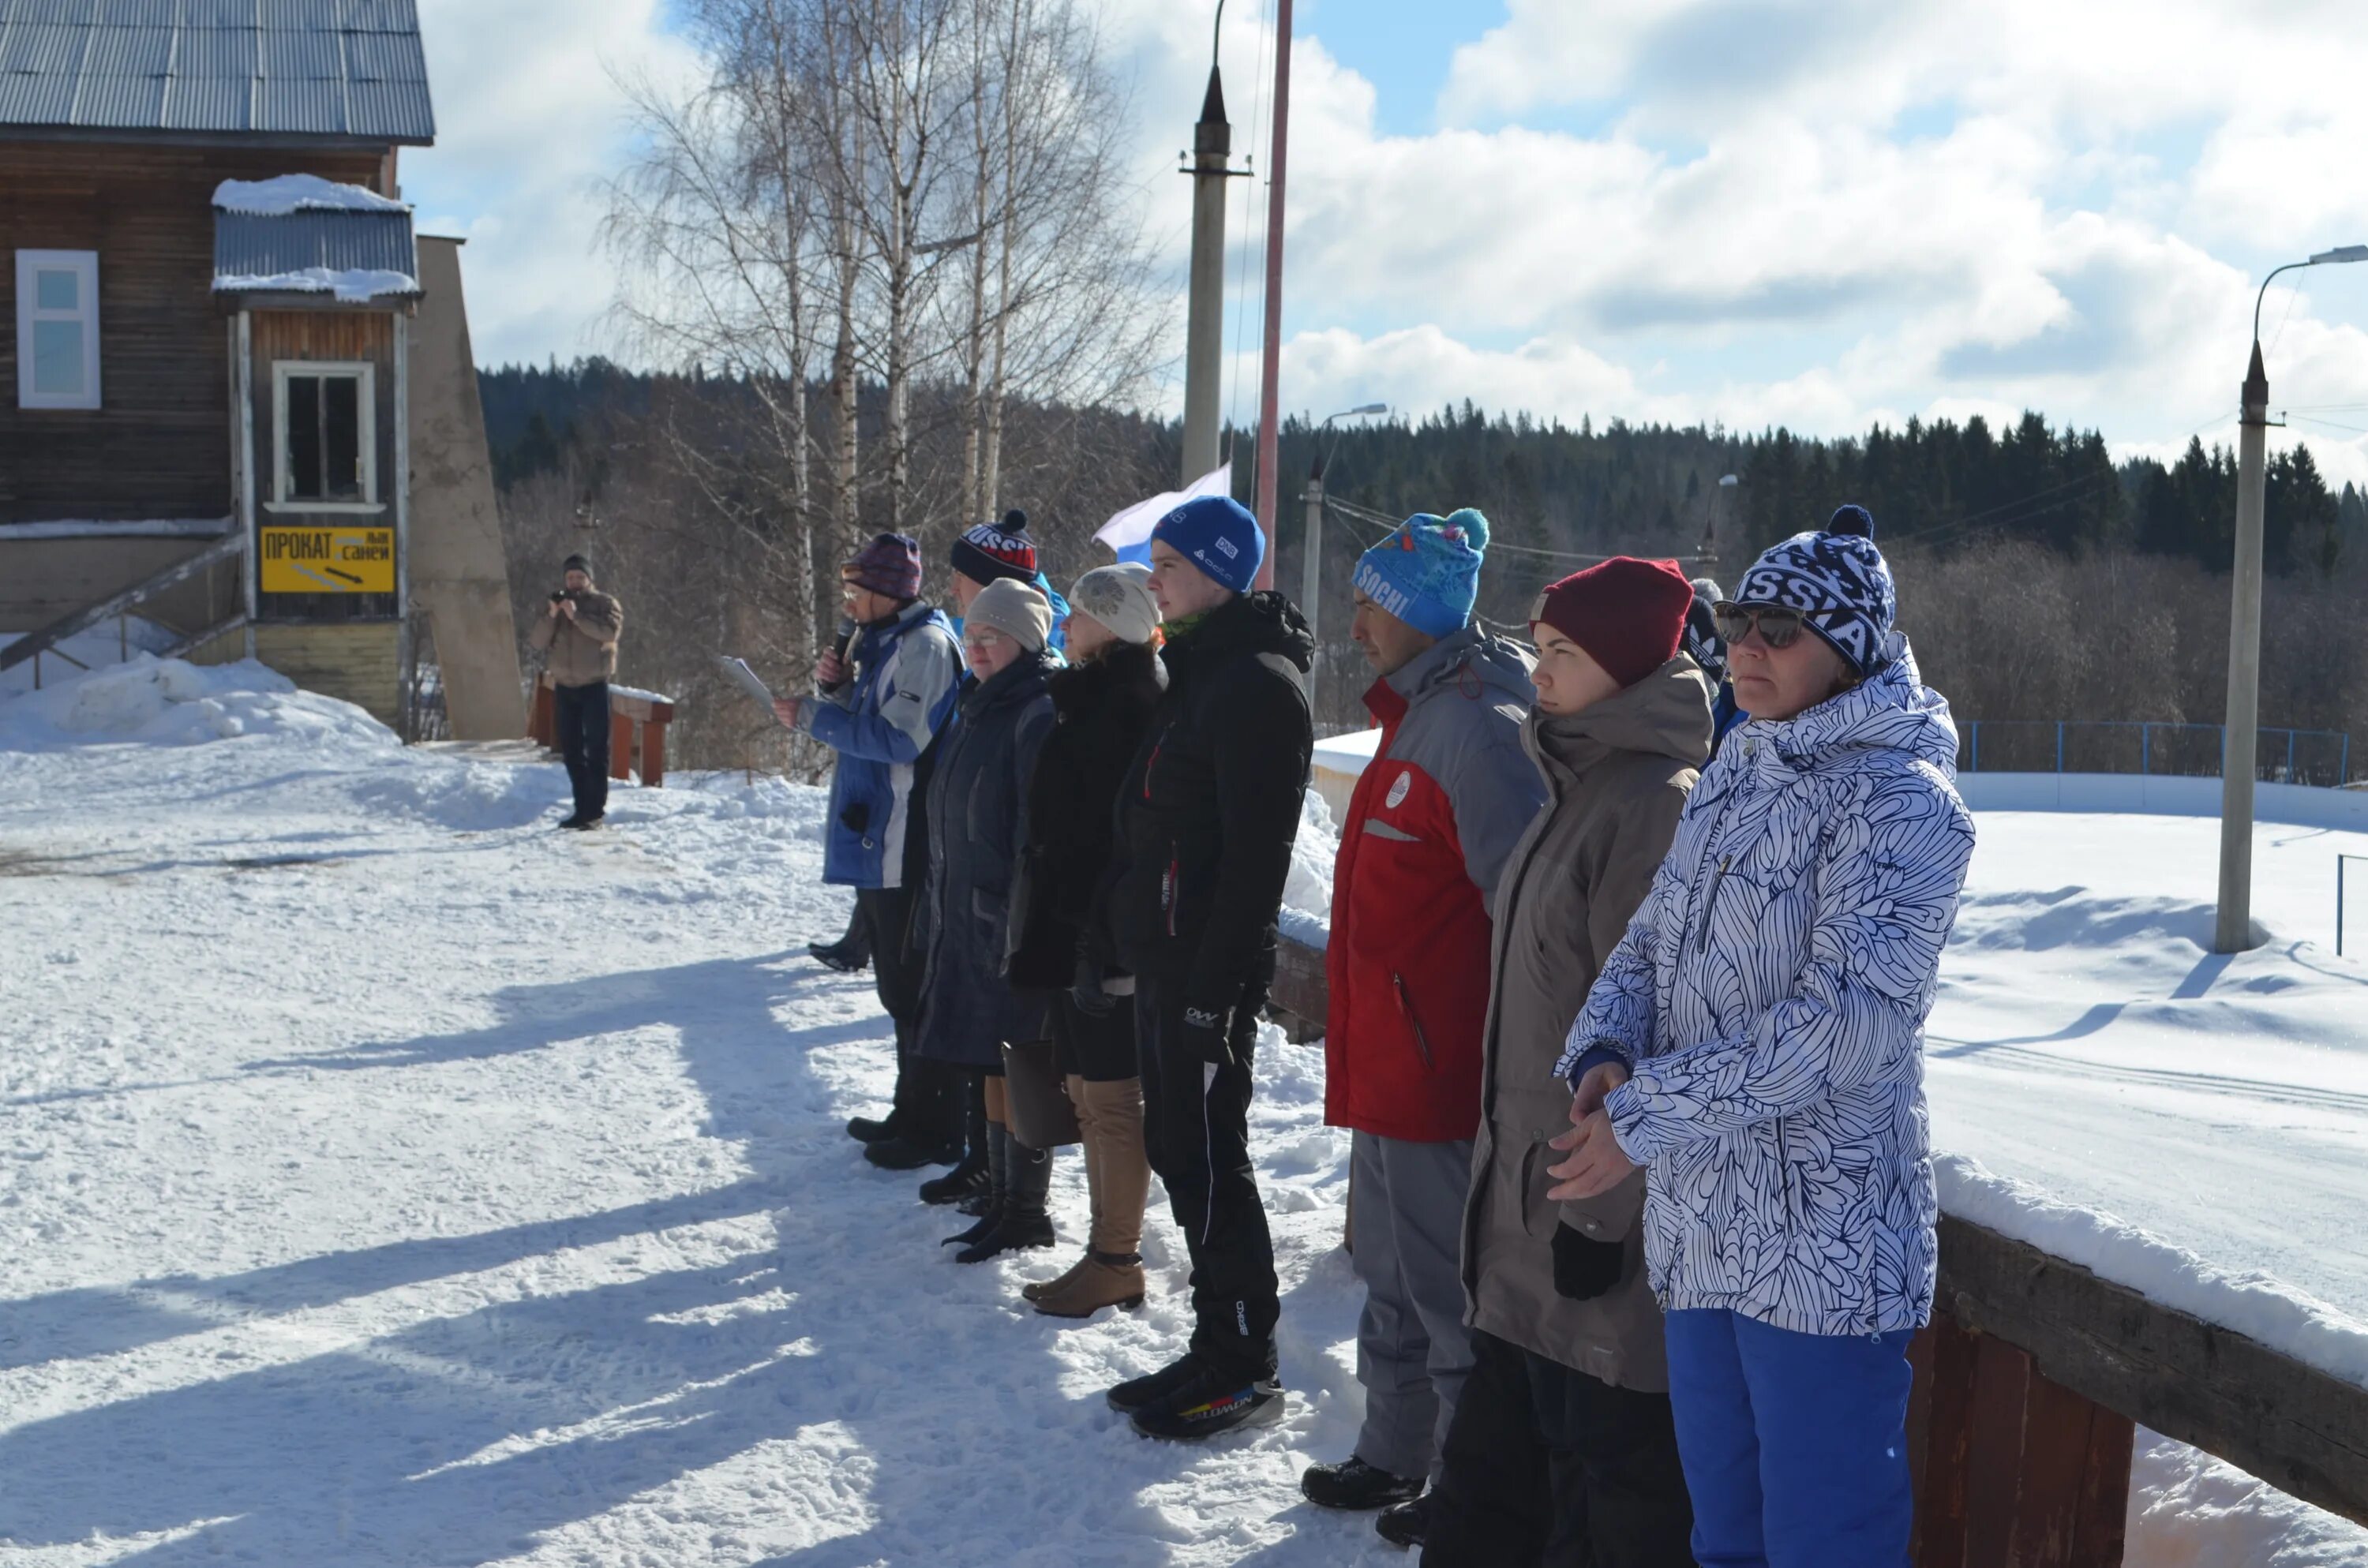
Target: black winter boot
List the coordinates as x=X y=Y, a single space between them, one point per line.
x=1021 y=1221
x=1356 y=1485
x=966 y=1181
x=998 y=1168
x=1208 y=1403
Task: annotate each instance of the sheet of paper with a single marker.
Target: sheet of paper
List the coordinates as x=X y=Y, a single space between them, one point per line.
x=746 y=679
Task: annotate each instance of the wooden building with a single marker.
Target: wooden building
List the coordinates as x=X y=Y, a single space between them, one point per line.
x=206 y=324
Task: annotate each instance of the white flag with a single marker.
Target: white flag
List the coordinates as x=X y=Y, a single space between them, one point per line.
x=1130 y=529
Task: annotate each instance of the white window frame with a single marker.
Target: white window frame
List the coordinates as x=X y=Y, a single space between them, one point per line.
x=366 y=404
x=84 y=264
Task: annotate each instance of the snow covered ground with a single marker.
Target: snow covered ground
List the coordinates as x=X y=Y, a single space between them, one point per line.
x=392 y=1181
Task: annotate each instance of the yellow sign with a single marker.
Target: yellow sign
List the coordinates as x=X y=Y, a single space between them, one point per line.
x=328 y=561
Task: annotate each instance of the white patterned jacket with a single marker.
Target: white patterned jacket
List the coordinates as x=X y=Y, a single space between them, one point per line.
x=1770 y=998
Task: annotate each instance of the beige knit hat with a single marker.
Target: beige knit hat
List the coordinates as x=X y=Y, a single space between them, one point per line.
x=1119 y=597
x=1013 y=609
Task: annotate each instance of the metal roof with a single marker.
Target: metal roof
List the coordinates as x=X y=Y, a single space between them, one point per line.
x=309 y=250
x=335 y=68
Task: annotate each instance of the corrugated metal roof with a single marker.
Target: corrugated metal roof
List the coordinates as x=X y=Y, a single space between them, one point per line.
x=264 y=67
x=251 y=246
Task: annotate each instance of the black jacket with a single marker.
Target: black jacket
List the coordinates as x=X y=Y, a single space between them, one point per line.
x=1210 y=809
x=976 y=790
x=1102 y=708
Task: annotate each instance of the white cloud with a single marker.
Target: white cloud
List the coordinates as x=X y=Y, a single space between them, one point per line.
x=1813 y=212
x=529 y=118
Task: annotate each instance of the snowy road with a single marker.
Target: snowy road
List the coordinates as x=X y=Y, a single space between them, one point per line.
x=392 y=1181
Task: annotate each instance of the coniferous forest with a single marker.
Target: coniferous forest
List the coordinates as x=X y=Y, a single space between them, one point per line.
x=2040 y=579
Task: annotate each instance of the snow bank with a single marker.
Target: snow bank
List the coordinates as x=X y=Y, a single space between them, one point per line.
x=152 y=701
x=2261 y=1308
x=279 y=196
x=352 y=284
x=2190 y=1510
x=1307 y=895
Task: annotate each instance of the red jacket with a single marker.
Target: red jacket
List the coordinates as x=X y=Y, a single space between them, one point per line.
x=1449 y=792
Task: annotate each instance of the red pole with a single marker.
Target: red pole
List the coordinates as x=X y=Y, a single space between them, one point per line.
x=1270 y=376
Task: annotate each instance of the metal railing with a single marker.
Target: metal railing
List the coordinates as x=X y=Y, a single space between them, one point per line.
x=44 y=641
x=2321 y=757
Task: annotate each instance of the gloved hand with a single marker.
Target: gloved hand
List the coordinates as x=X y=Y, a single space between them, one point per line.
x=1584 y=1268
x=1086 y=991
x=1208 y=1034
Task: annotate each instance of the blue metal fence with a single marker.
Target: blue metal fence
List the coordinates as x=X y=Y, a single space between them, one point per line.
x=2080 y=745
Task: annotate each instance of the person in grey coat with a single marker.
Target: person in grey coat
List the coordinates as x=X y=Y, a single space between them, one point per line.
x=977 y=825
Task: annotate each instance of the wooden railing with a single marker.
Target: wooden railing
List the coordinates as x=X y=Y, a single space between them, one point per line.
x=637 y=727
x=33 y=645
x=2034 y=1378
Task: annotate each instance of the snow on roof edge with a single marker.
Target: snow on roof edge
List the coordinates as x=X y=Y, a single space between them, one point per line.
x=354 y=285
x=283 y=194
x=142 y=527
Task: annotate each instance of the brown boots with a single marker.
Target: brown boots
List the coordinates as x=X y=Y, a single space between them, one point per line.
x=1118 y=1179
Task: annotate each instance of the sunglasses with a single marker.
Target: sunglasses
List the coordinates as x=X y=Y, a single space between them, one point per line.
x=1780 y=626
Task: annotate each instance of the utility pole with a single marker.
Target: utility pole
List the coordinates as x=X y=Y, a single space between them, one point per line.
x=1270 y=371
x=2233 y=930
x=1311 y=572
x=1213 y=144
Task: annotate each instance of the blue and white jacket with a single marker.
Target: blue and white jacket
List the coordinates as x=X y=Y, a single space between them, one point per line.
x=1770 y=999
x=906 y=673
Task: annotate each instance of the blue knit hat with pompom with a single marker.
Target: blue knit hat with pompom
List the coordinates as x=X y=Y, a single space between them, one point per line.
x=1428 y=573
x=1838 y=579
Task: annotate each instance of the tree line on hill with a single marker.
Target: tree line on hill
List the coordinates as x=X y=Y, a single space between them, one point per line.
x=2040 y=579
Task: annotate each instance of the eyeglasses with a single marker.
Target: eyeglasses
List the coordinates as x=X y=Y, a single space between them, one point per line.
x=1780 y=626
x=984 y=640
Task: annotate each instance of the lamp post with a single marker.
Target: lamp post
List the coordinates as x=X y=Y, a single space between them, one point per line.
x=2233 y=931
x=1311 y=568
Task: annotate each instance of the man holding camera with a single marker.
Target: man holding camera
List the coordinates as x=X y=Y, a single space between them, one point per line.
x=578 y=636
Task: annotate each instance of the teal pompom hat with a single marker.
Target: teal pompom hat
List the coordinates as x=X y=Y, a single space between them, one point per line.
x=1427 y=571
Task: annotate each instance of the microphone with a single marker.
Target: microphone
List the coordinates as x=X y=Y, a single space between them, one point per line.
x=838 y=647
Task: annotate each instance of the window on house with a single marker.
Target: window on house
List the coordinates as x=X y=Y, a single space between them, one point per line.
x=57 y=329
x=327 y=435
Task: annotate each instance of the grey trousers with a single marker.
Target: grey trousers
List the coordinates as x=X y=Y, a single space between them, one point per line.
x=1413 y=1350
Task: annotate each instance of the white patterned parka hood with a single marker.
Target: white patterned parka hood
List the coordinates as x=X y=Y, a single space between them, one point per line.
x=1770 y=999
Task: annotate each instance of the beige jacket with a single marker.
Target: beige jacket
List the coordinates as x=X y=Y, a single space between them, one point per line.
x=581 y=651
x=1617 y=776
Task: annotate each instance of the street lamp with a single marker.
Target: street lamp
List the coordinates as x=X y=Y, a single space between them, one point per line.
x=1311 y=572
x=2233 y=932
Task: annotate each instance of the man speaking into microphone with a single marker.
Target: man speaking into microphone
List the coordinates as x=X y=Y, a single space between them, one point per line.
x=882 y=700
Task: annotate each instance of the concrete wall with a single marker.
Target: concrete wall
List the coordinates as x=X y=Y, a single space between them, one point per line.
x=1339 y=761
x=2296 y=804
x=458 y=571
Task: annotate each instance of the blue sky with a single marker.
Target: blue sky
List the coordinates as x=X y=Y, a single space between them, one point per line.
x=1812 y=212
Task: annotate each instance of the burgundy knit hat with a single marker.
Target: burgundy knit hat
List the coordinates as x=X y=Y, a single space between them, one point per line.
x=890 y=565
x=1628 y=613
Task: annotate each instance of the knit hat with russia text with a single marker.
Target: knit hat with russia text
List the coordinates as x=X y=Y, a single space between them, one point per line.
x=1627 y=614
x=990 y=550
x=1841 y=582
x=1428 y=573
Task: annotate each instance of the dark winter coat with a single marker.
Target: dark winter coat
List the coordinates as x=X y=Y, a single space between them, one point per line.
x=977 y=789
x=1101 y=708
x=1446 y=797
x=1210 y=809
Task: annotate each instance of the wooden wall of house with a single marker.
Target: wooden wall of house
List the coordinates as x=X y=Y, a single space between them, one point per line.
x=357 y=662
x=292 y=336
x=160 y=445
